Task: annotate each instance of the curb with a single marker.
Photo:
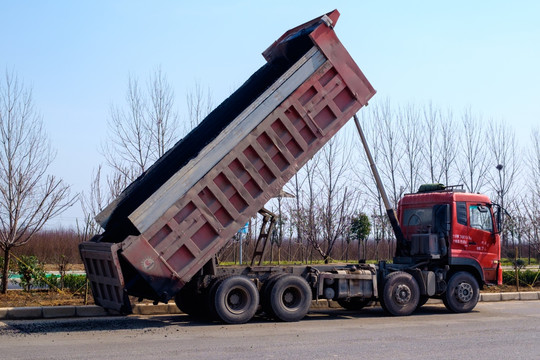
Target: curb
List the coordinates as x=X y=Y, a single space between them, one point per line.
x=56 y=312
x=53 y=312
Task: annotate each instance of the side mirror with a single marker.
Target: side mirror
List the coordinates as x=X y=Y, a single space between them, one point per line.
x=498 y=217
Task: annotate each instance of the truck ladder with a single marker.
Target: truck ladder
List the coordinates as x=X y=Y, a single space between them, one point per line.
x=269 y=219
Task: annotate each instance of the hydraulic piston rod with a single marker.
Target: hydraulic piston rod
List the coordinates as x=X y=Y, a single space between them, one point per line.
x=389 y=209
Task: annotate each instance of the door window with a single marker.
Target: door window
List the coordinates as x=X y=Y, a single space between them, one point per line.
x=480 y=218
x=461 y=211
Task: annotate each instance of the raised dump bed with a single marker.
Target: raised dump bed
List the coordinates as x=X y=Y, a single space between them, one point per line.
x=173 y=220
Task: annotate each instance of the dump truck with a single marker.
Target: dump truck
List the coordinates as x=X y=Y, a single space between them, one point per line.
x=162 y=234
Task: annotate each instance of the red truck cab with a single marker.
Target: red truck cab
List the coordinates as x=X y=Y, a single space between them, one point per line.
x=454 y=228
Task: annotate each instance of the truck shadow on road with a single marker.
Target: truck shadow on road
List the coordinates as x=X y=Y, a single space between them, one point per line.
x=371 y=312
x=313 y=315
x=14 y=327
x=147 y=323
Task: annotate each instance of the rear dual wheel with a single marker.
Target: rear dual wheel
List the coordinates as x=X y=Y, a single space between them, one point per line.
x=265 y=294
x=235 y=299
x=190 y=301
x=286 y=297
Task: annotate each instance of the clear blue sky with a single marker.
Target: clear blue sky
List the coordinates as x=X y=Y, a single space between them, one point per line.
x=77 y=55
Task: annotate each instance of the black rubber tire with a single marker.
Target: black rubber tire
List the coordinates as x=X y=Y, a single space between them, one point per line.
x=462 y=293
x=189 y=301
x=209 y=299
x=290 y=298
x=265 y=294
x=236 y=300
x=401 y=294
x=353 y=304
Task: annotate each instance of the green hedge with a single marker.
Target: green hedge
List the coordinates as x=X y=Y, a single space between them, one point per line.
x=72 y=282
x=510 y=261
x=526 y=277
x=75 y=282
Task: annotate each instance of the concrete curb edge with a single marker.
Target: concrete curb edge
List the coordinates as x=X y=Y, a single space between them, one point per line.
x=55 y=312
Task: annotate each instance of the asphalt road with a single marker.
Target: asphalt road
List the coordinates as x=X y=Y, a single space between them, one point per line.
x=500 y=330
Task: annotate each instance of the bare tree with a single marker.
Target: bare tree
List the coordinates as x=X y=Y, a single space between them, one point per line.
x=362 y=168
x=163 y=119
x=390 y=150
x=533 y=160
x=199 y=104
x=379 y=230
x=128 y=150
x=413 y=146
x=431 y=122
x=142 y=129
x=29 y=197
x=296 y=211
x=93 y=202
x=474 y=154
x=531 y=202
x=530 y=207
x=339 y=200
x=383 y=134
x=440 y=146
x=306 y=215
x=447 y=147
x=505 y=155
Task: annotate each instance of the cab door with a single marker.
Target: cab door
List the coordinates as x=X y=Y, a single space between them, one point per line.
x=481 y=241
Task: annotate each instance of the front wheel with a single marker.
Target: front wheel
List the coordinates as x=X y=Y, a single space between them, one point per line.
x=462 y=293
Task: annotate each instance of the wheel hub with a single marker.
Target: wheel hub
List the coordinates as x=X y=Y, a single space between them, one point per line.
x=464 y=292
x=291 y=297
x=288 y=298
x=234 y=300
x=402 y=294
x=237 y=300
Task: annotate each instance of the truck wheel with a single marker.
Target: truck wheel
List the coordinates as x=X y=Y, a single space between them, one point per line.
x=188 y=300
x=236 y=300
x=401 y=294
x=266 y=290
x=290 y=298
x=354 y=304
x=210 y=296
x=462 y=293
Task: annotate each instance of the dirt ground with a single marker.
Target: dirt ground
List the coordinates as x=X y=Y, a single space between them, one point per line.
x=71 y=267
x=509 y=288
x=19 y=298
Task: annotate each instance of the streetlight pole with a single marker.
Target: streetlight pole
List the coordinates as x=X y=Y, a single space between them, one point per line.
x=499 y=167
